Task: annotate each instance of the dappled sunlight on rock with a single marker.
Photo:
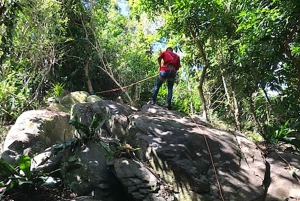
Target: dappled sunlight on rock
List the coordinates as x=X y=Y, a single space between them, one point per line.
x=158 y=154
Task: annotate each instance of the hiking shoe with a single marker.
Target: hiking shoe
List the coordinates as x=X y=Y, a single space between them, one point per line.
x=169 y=107
x=151 y=102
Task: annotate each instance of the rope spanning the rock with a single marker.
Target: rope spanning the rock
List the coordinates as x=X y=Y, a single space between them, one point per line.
x=210 y=155
x=211 y=159
x=120 y=88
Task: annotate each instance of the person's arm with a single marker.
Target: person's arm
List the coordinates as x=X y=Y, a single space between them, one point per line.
x=159 y=61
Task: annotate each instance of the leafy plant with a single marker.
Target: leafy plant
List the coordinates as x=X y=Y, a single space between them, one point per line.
x=110 y=153
x=7 y=170
x=13 y=96
x=255 y=137
x=283 y=133
x=58 y=89
x=21 y=176
x=91 y=130
x=24 y=164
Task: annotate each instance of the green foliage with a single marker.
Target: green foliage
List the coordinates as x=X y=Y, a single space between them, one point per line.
x=283 y=132
x=110 y=153
x=186 y=95
x=58 y=89
x=252 y=48
x=90 y=131
x=279 y=131
x=7 y=170
x=21 y=176
x=65 y=144
x=73 y=185
x=13 y=96
x=24 y=164
x=255 y=137
x=243 y=42
x=36 y=34
x=126 y=47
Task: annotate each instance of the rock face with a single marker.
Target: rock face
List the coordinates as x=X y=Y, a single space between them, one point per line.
x=283 y=182
x=155 y=154
x=194 y=159
x=114 y=115
x=88 y=173
x=34 y=131
x=140 y=181
x=66 y=103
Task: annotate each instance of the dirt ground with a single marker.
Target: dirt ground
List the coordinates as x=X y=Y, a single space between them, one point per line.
x=30 y=193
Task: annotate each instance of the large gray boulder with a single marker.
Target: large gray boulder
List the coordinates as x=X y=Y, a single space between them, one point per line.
x=204 y=163
x=65 y=103
x=284 y=176
x=34 y=131
x=114 y=116
x=157 y=154
x=85 y=172
x=141 y=182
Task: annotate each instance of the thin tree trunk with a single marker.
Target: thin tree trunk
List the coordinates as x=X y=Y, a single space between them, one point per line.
x=270 y=104
x=203 y=74
x=236 y=111
x=86 y=72
x=252 y=111
x=278 y=116
x=256 y=78
x=106 y=68
x=233 y=106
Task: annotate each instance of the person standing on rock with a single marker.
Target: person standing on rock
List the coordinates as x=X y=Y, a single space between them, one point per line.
x=167 y=71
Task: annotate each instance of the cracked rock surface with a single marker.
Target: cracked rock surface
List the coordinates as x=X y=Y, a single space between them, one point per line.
x=175 y=159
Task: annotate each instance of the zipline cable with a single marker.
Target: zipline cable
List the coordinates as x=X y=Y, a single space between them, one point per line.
x=206 y=142
x=119 y=88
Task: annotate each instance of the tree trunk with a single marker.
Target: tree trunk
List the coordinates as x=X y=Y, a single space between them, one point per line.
x=86 y=72
x=203 y=74
x=118 y=84
x=233 y=107
x=261 y=85
x=97 y=46
x=236 y=112
x=252 y=111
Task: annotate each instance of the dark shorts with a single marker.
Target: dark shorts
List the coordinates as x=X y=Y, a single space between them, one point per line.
x=169 y=75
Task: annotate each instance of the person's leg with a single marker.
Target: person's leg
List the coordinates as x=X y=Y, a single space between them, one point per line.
x=170 y=89
x=170 y=93
x=157 y=86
